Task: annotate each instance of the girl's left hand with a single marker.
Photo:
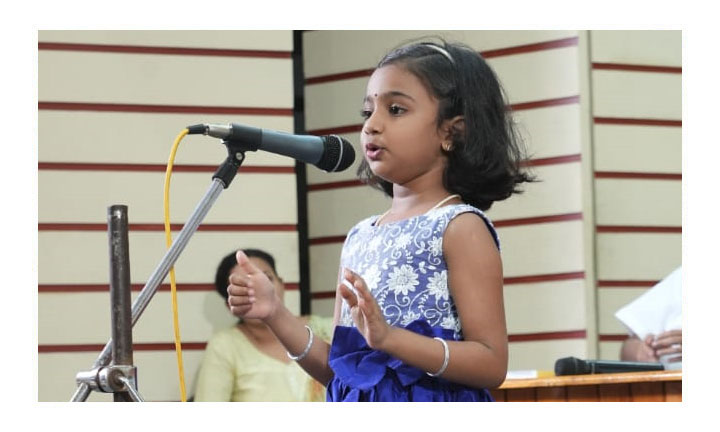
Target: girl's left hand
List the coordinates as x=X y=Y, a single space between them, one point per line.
x=365 y=311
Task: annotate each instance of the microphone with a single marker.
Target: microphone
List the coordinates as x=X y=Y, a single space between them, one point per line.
x=329 y=153
x=575 y=366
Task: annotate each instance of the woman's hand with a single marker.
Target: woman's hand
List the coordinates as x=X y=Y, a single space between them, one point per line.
x=638 y=350
x=366 y=313
x=251 y=294
x=669 y=343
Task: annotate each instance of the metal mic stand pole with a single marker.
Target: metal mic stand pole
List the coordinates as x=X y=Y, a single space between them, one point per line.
x=222 y=178
x=121 y=324
x=119 y=377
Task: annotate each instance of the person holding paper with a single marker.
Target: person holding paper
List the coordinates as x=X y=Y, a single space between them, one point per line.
x=654 y=321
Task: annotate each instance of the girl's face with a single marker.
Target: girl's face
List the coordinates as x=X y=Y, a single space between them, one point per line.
x=400 y=137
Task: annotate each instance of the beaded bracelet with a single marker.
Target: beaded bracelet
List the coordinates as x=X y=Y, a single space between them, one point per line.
x=307 y=348
x=445 y=361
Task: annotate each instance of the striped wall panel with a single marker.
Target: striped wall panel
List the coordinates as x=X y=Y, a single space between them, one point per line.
x=333 y=211
x=633 y=148
x=81 y=257
x=69 y=316
x=638 y=202
x=83 y=196
x=637 y=137
x=557 y=193
x=327 y=50
x=637 y=255
x=646 y=47
x=541 y=354
x=203 y=42
x=533 y=306
x=642 y=95
x=91 y=77
x=110 y=104
x=123 y=137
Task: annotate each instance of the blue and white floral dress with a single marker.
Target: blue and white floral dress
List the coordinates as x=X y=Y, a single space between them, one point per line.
x=403 y=265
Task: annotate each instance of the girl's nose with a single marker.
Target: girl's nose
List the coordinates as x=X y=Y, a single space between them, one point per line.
x=372 y=125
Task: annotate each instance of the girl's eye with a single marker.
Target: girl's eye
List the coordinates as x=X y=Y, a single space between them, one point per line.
x=396 y=109
x=364 y=113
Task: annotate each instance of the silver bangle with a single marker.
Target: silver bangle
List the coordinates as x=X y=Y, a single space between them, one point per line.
x=445 y=361
x=307 y=348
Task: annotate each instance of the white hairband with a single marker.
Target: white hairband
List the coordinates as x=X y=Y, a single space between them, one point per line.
x=441 y=50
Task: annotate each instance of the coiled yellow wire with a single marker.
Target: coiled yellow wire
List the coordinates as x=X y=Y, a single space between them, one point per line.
x=173 y=288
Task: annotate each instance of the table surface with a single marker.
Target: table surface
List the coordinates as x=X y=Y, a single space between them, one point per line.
x=596 y=379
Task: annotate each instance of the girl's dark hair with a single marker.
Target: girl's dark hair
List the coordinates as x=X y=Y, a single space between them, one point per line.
x=484 y=161
x=223 y=270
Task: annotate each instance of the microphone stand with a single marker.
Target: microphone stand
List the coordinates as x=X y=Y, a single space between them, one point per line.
x=120 y=376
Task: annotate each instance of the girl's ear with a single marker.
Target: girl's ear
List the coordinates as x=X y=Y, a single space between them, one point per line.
x=453 y=127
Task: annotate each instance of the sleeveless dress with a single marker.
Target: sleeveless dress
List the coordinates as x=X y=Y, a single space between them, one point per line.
x=403 y=266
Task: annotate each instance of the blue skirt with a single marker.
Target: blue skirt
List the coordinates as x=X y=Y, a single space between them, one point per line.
x=363 y=374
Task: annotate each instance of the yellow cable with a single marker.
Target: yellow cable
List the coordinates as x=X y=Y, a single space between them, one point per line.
x=173 y=289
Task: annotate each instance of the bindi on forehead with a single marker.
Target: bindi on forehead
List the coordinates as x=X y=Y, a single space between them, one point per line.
x=389 y=95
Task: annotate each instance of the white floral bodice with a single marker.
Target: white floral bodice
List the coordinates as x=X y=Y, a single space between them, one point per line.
x=403 y=265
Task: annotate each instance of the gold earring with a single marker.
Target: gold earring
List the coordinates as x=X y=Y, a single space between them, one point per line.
x=446 y=146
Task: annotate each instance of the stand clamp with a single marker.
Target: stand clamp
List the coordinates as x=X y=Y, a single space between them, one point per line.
x=111 y=379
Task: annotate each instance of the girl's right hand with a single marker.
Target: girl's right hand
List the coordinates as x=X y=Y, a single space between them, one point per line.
x=251 y=294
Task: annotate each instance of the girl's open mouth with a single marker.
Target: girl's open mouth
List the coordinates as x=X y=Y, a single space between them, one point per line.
x=373 y=151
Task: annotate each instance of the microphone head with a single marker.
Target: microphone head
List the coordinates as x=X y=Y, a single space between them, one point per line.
x=571 y=366
x=339 y=154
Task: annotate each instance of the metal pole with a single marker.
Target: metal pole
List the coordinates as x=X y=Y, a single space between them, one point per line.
x=120 y=304
x=141 y=302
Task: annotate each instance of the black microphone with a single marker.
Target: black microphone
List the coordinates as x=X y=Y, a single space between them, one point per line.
x=329 y=153
x=575 y=366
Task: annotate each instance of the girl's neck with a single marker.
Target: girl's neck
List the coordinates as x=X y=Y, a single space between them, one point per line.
x=422 y=191
x=405 y=201
x=407 y=204
x=418 y=195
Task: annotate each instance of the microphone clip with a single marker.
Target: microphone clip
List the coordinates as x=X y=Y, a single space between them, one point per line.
x=236 y=156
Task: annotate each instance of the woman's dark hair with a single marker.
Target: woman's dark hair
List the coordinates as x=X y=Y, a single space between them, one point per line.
x=484 y=162
x=223 y=270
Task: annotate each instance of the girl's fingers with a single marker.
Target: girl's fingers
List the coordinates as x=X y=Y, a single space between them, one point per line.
x=365 y=300
x=240 y=290
x=240 y=279
x=240 y=300
x=347 y=294
x=350 y=275
x=356 y=281
x=245 y=263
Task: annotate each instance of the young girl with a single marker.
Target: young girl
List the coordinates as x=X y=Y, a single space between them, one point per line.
x=419 y=310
